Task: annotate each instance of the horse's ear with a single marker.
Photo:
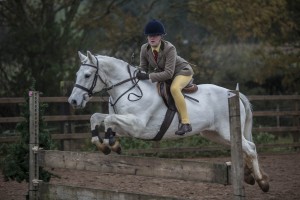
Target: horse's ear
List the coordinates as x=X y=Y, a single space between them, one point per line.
x=81 y=56
x=91 y=57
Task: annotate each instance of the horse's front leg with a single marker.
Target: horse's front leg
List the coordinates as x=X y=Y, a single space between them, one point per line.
x=128 y=124
x=110 y=139
x=96 y=120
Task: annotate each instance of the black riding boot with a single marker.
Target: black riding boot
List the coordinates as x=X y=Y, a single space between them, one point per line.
x=184 y=129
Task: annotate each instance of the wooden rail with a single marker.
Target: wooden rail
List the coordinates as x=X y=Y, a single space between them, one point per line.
x=273 y=97
x=14 y=100
x=59 y=118
x=141 y=166
x=55 y=136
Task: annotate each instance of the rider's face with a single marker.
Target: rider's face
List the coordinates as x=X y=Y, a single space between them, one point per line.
x=154 y=40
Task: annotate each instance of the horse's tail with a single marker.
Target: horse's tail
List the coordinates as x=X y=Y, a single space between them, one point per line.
x=248 y=120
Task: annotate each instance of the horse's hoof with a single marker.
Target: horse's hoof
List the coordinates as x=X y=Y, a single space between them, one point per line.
x=249 y=179
x=116 y=147
x=106 y=150
x=264 y=185
x=119 y=150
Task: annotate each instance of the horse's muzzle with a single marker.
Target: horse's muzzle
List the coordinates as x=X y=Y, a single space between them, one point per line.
x=73 y=102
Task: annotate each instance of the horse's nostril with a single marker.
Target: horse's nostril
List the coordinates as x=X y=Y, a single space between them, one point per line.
x=74 y=102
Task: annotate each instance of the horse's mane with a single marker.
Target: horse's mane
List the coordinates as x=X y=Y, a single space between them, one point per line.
x=107 y=58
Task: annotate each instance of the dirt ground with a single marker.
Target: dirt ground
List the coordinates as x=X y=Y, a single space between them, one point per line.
x=283 y=169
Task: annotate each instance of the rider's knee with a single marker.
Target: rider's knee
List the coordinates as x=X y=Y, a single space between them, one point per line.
x=174 y=90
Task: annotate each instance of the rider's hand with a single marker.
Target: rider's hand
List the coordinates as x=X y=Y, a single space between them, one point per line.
x=142 y=76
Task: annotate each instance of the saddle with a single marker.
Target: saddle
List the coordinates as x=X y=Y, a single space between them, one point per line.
x=164 y=91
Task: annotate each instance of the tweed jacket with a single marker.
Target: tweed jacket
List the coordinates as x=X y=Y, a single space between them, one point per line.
x=168 y=64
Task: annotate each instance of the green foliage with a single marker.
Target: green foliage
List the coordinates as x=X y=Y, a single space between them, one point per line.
x=38 y=41
x=279 y=69
x=133 y=143
x=15 y=164
x=263 y=138
x=88 y=146
x=41 y=39
x=243 y=21
x=193 y=141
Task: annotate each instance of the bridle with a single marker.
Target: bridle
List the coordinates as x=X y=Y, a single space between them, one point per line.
x=133 y=79
x=90 y=90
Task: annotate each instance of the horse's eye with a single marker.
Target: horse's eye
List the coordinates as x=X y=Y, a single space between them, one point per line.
x=87 y=75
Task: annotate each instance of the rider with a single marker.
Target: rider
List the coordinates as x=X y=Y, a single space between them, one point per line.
x=161 y=56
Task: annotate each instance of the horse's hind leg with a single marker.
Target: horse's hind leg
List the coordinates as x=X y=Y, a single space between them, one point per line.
x=248 y=177
x=96 y=120
x=252 y=164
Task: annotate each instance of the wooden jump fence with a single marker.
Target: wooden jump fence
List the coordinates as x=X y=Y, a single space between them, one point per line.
x=142 y=166
x=189 y=170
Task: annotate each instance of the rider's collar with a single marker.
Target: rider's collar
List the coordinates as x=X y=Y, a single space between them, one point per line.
x=156 y=48
x=161 y=47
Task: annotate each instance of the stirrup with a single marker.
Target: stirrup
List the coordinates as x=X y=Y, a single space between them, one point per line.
x=185 y=128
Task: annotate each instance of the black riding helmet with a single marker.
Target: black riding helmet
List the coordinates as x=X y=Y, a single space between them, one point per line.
x=154 y=27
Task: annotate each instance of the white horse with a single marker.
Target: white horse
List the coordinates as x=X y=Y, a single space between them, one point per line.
x=136 y=110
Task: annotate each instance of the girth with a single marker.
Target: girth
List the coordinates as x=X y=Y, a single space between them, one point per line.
x=164 y=91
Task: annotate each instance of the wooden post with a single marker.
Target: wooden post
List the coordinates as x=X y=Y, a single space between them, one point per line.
x=297 y=124
x=33 y=145
x=237 y=169
x=277 y=116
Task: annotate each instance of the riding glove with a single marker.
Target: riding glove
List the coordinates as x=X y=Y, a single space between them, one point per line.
x=142 y=76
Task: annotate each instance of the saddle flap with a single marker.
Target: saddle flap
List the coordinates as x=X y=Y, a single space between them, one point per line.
x=164 y=91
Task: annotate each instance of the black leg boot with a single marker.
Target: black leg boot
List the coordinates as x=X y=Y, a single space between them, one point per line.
x=110 y=135
x=95 y=133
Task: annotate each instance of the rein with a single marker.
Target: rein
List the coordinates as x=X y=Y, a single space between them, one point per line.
x=132 y=79
x=135 y=84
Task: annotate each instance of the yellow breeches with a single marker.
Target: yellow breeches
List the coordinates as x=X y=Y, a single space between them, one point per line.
x=177 y=85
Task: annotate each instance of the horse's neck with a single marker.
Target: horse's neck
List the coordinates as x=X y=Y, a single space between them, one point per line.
x=117 y=71
x=114 y=69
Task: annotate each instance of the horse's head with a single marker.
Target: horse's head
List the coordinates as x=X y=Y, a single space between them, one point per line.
x=87 y=81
